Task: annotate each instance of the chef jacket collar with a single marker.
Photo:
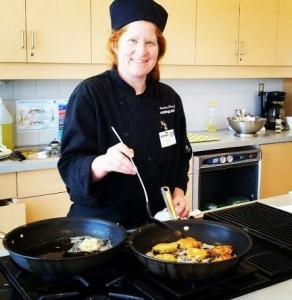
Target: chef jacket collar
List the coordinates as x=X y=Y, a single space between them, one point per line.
x=126 y=88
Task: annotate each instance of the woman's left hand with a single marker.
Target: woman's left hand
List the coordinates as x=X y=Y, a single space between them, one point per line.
x=180 y=203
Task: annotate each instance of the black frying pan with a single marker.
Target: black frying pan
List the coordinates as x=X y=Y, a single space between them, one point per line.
x=210 y=232
x=27 y=244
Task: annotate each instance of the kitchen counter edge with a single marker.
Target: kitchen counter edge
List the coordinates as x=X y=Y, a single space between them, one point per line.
x=10 y=166
x=227 y=139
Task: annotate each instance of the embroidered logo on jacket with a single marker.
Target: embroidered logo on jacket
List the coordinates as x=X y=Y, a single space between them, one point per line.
x=170 y=109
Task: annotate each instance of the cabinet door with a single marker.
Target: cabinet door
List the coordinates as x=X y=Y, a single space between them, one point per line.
x=101 y=30
x=8 y=186
x=284 y=42
x=231 y=32
x=12 y=31
x=46 y=206
x=58 y=31
x=276 y=175
x=39 y=182
x=258 y=32
x=180 y=32
x=217 y=32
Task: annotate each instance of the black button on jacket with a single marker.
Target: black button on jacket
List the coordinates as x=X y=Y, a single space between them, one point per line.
x=97 y=104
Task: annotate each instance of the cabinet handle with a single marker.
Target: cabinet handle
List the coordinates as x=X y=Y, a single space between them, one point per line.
x=22 y=39
x=241 y=48
x=32 y=40
x=236 y=48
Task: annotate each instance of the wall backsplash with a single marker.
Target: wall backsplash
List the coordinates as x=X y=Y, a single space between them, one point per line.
x=196 y=94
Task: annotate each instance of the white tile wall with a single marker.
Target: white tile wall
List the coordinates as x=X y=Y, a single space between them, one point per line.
x=228 y=94
x=196 y=94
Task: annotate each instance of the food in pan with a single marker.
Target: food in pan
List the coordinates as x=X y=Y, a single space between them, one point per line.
x=165 y=248
x=190 y=250
x=89 y=244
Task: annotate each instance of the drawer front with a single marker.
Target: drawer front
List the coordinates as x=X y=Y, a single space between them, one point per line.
x=39 y=182
x=46 y=206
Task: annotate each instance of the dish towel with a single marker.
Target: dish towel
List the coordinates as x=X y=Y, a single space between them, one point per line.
x=198 y=138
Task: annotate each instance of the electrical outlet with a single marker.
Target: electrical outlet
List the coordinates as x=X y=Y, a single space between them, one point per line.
x=261 y=88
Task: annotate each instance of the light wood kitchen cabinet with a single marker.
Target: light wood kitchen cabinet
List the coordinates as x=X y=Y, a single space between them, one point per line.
x=8 y=187
x=46 y=206
x=43 y=193
x=276 y=175
x=101 y=30
x=12 y=31
x=39 y=182
x=236 y=32
x=284 y=41
x=180 y=32
x=56 y=31
x=205 y=39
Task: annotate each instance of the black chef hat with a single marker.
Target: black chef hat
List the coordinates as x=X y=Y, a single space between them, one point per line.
x=123 y=12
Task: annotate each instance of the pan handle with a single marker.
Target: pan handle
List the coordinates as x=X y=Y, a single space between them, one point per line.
x=168 y=202
x=164 y=225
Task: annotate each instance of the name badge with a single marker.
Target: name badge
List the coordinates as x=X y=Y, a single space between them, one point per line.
x=167 y=138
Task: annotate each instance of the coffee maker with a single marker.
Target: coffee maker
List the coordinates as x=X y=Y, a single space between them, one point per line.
x=272 y=108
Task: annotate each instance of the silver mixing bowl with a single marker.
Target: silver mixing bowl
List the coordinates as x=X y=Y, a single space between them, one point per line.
x=246 y=128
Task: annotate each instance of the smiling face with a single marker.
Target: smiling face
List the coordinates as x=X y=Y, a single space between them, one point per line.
x=137 y=51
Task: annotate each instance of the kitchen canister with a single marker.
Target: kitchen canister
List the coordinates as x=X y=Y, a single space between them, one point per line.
x=6 y=126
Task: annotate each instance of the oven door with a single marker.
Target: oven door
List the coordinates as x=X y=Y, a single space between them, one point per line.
x=233 y=180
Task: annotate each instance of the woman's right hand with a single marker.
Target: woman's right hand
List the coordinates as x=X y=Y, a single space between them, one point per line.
x=116 y=159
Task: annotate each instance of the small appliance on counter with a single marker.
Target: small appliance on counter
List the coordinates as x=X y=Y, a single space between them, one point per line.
x=272 y=108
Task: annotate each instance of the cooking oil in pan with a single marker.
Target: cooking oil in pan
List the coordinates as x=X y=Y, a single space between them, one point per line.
x=55 y=249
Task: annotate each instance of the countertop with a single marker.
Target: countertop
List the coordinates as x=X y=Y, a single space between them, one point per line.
x=227 y=139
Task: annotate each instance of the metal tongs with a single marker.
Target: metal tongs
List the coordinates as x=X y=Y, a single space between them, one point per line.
x=164 y=225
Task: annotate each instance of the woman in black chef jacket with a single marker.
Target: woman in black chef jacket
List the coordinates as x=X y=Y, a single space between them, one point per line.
x=147 y=114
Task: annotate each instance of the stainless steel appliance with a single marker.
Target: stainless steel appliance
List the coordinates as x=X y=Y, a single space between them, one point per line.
x=225 y=176
x=272 y=108
x=268 y=262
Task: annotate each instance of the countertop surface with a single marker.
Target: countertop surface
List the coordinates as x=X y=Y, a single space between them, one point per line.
x=227 y=139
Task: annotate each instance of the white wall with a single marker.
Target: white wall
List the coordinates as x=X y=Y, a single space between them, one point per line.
x=196 y=94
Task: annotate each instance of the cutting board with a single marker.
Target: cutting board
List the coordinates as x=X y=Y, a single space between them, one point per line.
x=198 y=138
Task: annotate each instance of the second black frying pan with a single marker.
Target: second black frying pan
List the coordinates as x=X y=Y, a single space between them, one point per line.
x=41 y=247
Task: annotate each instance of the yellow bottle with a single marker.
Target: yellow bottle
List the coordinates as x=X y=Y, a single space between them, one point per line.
x=212 y=125
x=6 y=127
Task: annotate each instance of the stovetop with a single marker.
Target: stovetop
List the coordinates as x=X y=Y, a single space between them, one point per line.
x=267 y=263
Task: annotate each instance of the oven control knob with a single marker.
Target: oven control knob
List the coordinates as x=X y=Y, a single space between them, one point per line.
x=229 y=158
x=222 y=159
